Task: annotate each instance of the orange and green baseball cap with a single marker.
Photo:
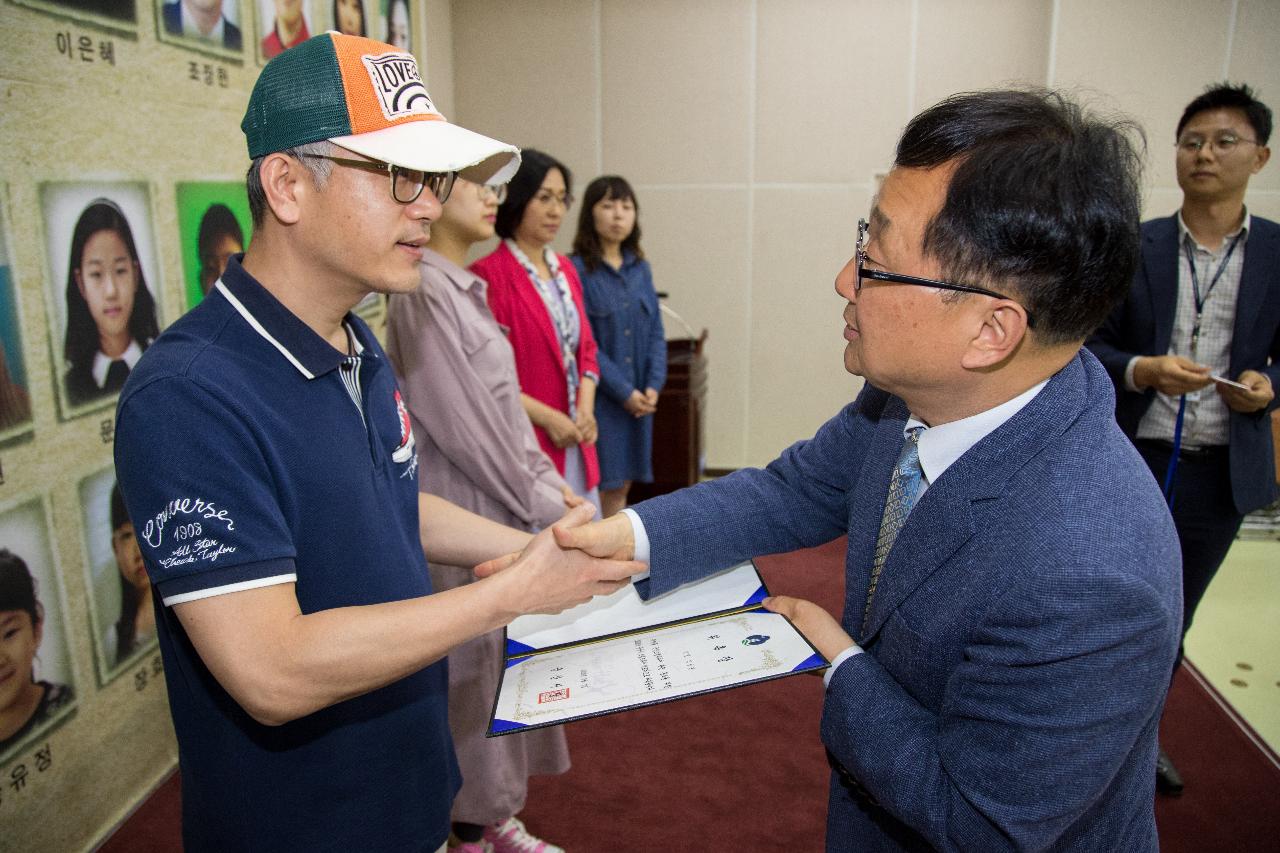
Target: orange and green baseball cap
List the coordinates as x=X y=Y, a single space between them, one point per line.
x=369 y=98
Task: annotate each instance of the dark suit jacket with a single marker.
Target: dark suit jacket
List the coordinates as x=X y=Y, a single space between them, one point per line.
x=1143 y=325
x=1019 y=647
x=172 y=13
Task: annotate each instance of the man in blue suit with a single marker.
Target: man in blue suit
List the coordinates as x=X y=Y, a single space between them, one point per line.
x=1204 y=307
x=1012 y=602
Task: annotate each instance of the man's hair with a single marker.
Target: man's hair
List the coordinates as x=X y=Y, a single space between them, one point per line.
x=1044 y=203
x=1224 y=96
x=318 y=167
x=526 y=182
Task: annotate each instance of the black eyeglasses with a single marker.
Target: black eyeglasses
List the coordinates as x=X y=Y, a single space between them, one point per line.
x=898 y=278
x=406 y=184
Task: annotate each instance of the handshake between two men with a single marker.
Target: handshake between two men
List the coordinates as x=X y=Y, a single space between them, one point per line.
x=601 y=555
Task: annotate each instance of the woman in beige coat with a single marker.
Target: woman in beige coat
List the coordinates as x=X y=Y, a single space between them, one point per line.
x=476 y=448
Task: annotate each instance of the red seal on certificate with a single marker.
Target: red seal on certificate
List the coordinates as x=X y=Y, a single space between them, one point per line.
x=553 y=695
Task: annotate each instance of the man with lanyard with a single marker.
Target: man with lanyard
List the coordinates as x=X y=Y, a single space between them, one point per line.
x=263 y=447
x=1194 y=350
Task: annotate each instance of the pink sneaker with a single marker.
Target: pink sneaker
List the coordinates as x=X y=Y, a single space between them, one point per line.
x=510 y=836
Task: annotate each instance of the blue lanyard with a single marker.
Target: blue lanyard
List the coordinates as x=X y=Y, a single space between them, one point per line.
x=1171 y=473
x=1195 y=283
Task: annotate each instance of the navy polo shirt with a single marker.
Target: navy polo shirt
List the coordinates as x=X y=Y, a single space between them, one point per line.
x=245 y=460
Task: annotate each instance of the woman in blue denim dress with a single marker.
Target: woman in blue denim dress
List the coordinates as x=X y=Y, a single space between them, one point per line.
x=623 y=308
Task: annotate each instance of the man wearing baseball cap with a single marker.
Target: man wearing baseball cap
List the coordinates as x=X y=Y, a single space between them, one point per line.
x=263 y=448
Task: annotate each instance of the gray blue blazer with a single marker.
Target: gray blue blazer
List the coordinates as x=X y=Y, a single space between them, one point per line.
x=1143 y=325
x=1019 y=647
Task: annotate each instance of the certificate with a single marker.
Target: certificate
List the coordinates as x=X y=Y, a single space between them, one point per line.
x=618 y=652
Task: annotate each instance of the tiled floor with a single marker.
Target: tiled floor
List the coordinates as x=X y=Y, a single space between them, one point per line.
x=1235 y=639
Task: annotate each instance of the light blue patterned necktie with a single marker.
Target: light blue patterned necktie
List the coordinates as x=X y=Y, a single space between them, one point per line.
x=904 y=488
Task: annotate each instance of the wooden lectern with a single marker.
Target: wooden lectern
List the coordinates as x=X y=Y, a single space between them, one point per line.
x=677 y=425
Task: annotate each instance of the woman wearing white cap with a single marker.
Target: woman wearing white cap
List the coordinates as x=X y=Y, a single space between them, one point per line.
x=458 y=375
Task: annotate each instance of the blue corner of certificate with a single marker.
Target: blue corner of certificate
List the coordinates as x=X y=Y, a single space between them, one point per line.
x=758 y=596
x=811 y=662
x=515 y=647
x=504 y=726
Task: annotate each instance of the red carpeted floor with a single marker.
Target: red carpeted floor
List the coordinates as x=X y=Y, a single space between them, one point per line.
x=743 y=770
x=1232 y=800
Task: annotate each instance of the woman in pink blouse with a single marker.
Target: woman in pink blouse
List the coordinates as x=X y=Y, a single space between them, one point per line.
x=477 y=449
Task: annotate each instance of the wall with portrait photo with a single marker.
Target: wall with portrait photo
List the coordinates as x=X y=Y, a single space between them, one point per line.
x=397 y=24
x=40 y=692
x=102 y=284
x=122 y=621
x=113 y=100
x=115 y=15
x=213 y=224
x=15 y=395
x=210 y=26
x=281 y=25
x=352 y=17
